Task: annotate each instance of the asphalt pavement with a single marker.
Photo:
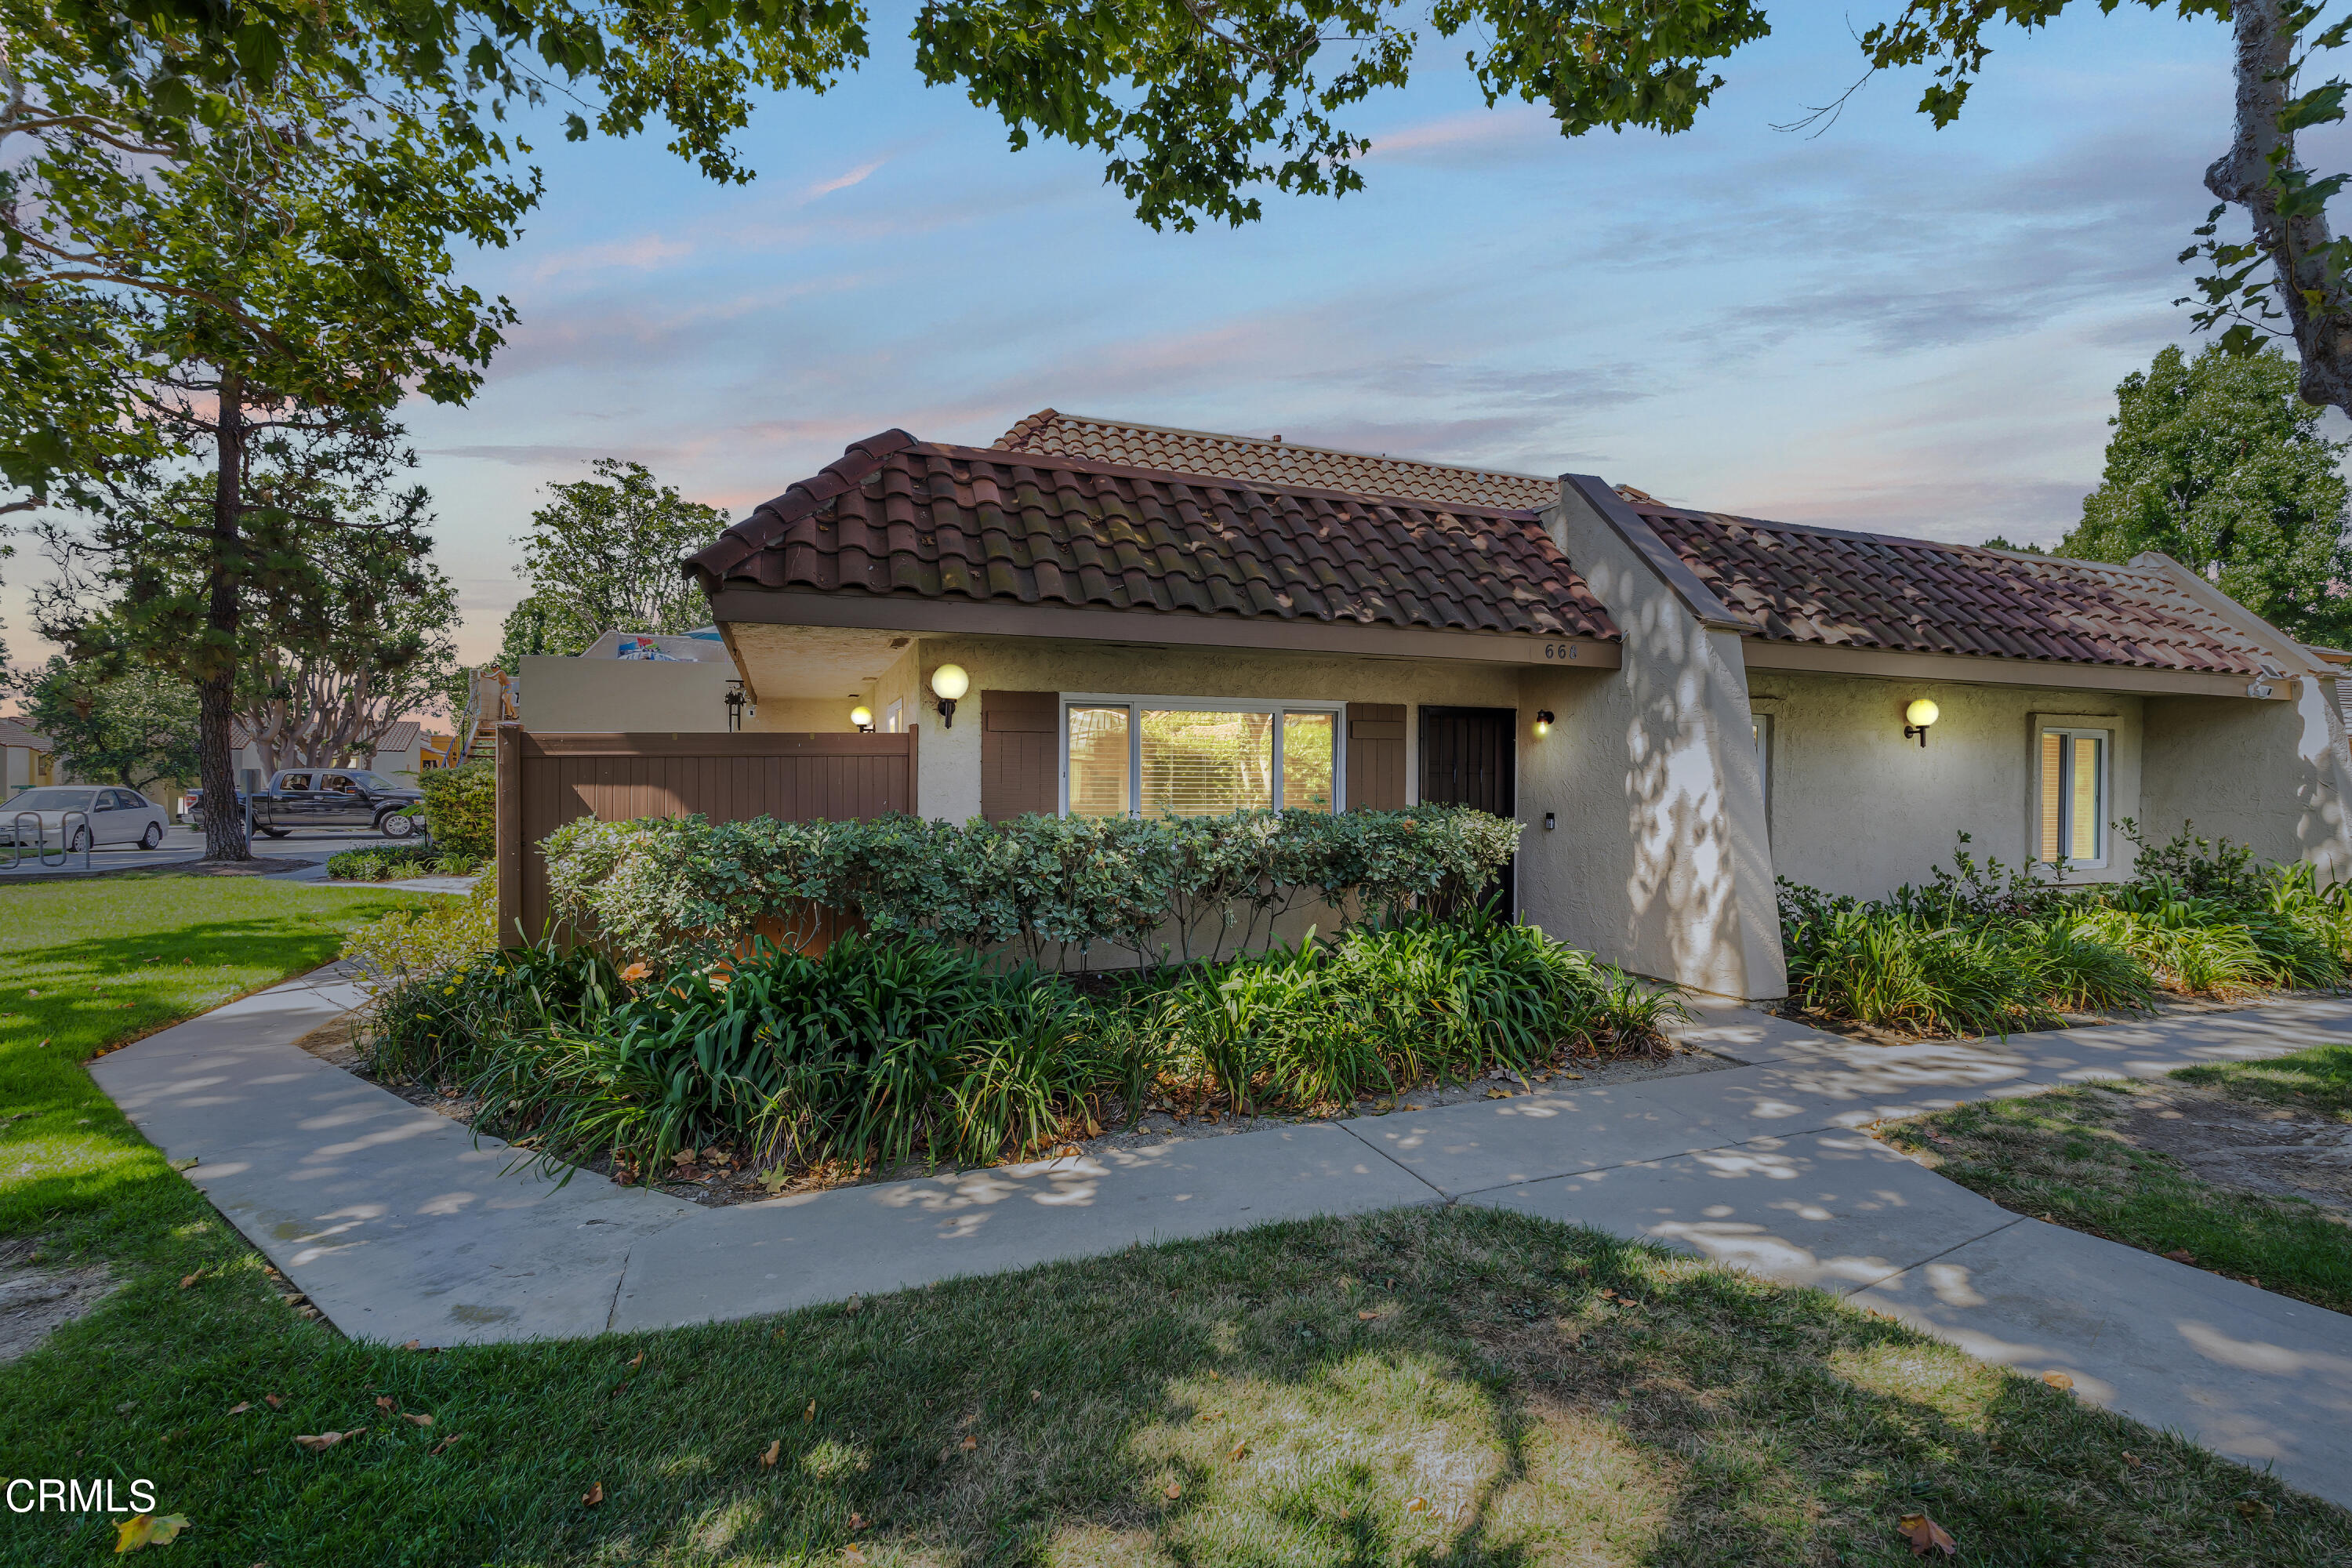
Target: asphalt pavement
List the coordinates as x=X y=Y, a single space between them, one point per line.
x=183 y=844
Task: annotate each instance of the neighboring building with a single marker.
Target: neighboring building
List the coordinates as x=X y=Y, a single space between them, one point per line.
x=26 y=760
x=629 y=681
x=1158 y=619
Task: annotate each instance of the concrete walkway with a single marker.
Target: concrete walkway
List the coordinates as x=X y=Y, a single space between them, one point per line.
x=399 y=1225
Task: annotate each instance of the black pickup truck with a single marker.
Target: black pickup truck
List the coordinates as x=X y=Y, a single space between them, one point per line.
x=328 y=797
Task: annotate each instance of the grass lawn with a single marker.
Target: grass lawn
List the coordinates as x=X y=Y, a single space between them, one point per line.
x=2093 y=1159
x=1449 y=1386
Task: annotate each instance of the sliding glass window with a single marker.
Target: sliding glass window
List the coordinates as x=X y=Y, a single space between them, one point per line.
x=1155 y=755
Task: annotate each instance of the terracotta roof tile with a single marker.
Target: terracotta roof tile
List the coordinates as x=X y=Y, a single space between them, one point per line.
x=1274 y=461
x=1800 y=584
x=895 y=515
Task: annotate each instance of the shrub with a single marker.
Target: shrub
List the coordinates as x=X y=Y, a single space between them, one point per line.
x=1179 y=888
x=461 y=808
x=384 y=862
x=889 y=1048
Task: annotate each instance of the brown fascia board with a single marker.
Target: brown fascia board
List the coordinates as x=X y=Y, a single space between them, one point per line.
x=1982 y=670
x=1671 y=569
x=2292 y=656
x=953 y=617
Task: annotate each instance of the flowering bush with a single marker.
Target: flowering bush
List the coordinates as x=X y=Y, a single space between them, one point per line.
x=1186 y=887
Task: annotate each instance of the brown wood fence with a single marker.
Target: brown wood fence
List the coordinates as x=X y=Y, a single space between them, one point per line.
x=546 y=780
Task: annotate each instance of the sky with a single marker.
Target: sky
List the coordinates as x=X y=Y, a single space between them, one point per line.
x=1880 y=326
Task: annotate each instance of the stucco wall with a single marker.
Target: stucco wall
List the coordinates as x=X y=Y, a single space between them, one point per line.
x=558 y=695
x=1856 y=808
x=803 y=716
x=1659 y=862
x=950 y=783
x=2266 y=773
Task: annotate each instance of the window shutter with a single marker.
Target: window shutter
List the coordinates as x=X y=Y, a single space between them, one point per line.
x=1019 y=753
x=1376 y=755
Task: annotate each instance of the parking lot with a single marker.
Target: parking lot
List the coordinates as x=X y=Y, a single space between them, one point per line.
x=182 y=844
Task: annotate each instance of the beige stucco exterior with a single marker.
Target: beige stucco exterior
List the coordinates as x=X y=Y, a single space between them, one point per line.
x=1857 y=808
x=622 y=695
x=2270 y=775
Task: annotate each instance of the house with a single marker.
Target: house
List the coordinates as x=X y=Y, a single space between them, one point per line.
x=26 y=760
x=1680 y=705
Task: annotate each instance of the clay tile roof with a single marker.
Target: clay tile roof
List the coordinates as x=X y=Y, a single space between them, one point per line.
x=1277 y=461
x=1800 y=584
x=895 y=515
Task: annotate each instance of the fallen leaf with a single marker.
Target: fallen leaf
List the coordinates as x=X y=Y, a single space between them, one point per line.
x=592 y=1496
x=1416 y=1505
x=969 y=1444
x=1926 y=1536
x=188 y=1279
x=444 y=1443
x=273 y=1400
x=147 y=1530
x=2253 y=1508
x=1035 y=1395
x=1174 y=1491
x=809 y=1414
x=1366 y=1317
x=769 y=1456
x=414 y=1345
x=326 y=1440
x=853 y=1553
x=2181 y=1255
x=386 y=1402
x=856 y=1522
x=1240 y=1449
x=637 y=1361
x=1216 y=1377
x=2133 y=1460
x=2057 y=1379
x=415 y=1420
x=240 y=1407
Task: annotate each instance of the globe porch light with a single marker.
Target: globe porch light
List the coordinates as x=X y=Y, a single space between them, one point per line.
x=949 y=682
x=861 y=717
x=1921 y=712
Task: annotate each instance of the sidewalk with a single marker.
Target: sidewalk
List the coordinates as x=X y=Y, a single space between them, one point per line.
x=399 y=1227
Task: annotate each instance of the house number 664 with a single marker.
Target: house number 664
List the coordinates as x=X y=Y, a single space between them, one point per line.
x=1559 y=650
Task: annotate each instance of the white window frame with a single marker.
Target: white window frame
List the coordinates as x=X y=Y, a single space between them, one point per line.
x=893 y=718
x=2106 y=795
x=1135 y=705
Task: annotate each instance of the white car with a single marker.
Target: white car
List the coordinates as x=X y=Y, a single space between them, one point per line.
x=97 y=815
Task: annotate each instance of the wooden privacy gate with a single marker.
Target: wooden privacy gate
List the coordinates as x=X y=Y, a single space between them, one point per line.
x=546 y=780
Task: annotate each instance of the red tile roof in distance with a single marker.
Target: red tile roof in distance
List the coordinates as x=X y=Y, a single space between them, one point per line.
x=1273 y=462
x=1800 y=584
x=895 y=515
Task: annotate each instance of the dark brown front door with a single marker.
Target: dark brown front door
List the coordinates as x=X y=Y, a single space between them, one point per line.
x=1468 y=757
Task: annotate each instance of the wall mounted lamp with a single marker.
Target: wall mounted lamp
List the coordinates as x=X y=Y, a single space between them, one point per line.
x=1544 y=722
x=735 y=700
x=1921 y=714
x=861 y=717
x=949 y=682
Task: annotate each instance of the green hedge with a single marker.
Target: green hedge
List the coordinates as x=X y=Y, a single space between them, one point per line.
x=1185 y=887
x=461 y=808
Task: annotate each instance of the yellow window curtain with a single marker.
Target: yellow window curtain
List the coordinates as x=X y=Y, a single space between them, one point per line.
x=2054 y=794
x=2083 y=799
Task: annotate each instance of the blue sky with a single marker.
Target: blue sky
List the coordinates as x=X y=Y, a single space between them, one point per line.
x=1882 y=326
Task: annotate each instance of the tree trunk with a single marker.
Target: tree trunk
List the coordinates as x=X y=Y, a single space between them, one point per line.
x=216 y=692
x=2298 y=246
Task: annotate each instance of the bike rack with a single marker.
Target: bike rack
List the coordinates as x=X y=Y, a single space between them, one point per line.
x=65 y=838
x=16 y=840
